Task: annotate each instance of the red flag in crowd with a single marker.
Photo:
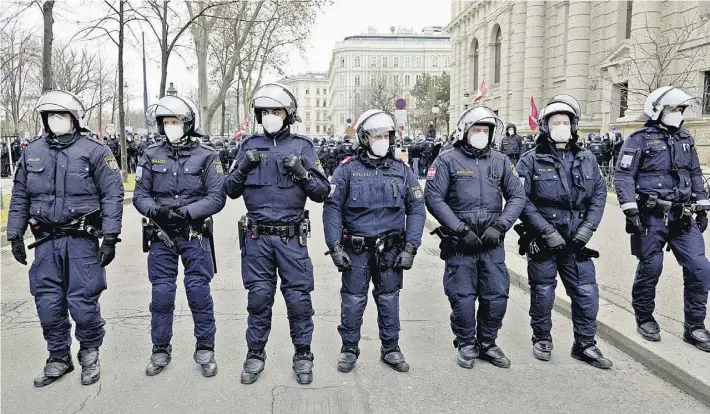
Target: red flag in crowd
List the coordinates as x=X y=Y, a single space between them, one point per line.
x=532 y=119
x=481 y=91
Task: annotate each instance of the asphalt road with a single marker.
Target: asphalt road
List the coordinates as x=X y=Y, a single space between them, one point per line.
x=434 y=384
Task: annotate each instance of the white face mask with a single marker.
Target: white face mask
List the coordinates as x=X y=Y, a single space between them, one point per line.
x=561 y=133
x=59 y=124
x=174 y=132
x=272 y=123
x=673 y=119
x=479 y=140
x=380 y=147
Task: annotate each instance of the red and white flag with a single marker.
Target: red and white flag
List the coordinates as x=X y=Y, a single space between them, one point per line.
x=532 y=119
x=481 y=91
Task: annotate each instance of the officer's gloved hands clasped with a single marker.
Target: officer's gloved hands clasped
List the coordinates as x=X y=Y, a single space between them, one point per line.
x=170 y=213
x=583 y=234
x=341 y=260
x=107 y=251
x=701 y=219
x=468 y=237
x=553 y=239
x=405 y=260
x=633 y=222
x=250 y=161
x=18 y=247
x=491 y=236
x=294 y=165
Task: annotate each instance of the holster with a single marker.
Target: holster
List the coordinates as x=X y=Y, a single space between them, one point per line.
x=87 y=225
x=637 y=245
x=304 y=230
x=449 y=242
x=208 y=232
x=146 y=233
x=242 y=227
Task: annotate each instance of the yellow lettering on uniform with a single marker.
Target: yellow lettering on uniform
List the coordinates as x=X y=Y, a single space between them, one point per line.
x=33 y=159
x=157 y=161
x=545 y=170
x=468 y=172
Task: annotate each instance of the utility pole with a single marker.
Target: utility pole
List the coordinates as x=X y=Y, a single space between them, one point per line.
x=145 y=86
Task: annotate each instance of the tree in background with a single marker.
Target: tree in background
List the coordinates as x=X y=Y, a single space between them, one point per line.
x=430 y=91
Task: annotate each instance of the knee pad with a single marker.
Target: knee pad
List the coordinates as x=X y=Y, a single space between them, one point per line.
x=299 y=307
x=259 y=301
x=162 y=306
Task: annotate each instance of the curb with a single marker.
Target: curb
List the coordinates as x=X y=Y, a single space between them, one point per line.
x=671 y=359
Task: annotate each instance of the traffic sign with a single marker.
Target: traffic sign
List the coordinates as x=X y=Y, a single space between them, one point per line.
x=401 y=117
x=400 y=104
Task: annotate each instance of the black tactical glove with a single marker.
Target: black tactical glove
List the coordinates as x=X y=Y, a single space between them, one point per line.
x=107 y=251
x=633 y=222
x=405 y=260
x=468 y=237
x=169 y=213
x=341 y=260
x=18 y=247
x=553 y=239
x=583 y=234
x=293 y=164
x=250 y=161
x=491 y=236
x=701 y=218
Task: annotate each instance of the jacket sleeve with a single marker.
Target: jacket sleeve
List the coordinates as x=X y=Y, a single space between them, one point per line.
x=435 y=193
x=317 y=187
x=625 y=172
x=415 y=209
x=142 y=199
x=214 y=199
x=334 y=206
x=234 y=183
x=19 y=212
x=696 y=178
x=595 y=209
x=110 y=185
x=514 y=194
x=530 y=216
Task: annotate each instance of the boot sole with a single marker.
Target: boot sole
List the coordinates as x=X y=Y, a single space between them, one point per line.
x=304 y=379
x=542 y=356
x=250 y=377
x=595 y=364
x=401 y=367
x=463 y=363
x=497 y=364
x=694 y=344
x=649 y=337
x=90 y=381
x=207 y=372
x=345 y=367
x=50 y=380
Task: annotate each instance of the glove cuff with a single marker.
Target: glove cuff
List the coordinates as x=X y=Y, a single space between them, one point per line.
x=631 y=212
x=549 y=230
x=410 y=248
x=462 y=229
x=589 y=225
x=498 y=226
x=111 y=239
x=336 y=247
x=15 y=236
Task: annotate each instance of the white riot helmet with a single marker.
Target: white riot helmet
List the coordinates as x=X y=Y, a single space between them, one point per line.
x=180 y=108
x=666 y=97
x=373 y=122
x=480 y=115
x=61 y=101
x=275 y=96
x=559 y=106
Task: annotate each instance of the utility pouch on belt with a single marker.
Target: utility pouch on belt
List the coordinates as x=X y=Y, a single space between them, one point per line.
x=87 y=225
x=147 y=233
x=637 y=245
x=447 y=245
x=208 y=231
x=304 y=229
x=358 y=244
x=152 y=231
x=242 y=227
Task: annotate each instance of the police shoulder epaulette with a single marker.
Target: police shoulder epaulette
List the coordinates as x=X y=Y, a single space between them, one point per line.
x=403 y=162
x=347 y=160
x=155 y=145
x=94 y=139
x=33 y=139
x=207 y=147
x=527 y=152
x=303 y=137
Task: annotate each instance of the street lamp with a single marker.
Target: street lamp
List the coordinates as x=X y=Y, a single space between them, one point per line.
x=171 y=90
x=466 y=95
x=435 y=111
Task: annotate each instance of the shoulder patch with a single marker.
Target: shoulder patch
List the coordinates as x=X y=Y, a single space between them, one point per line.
x=217 y=167
x=417 y=192
x=347 y=160
x=431 y=173
x=139 y=173
x=111 y=163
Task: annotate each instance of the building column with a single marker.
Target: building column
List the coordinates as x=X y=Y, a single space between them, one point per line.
x=534 y=51
x=645 y=26
x=517 y=69
x=578 y=44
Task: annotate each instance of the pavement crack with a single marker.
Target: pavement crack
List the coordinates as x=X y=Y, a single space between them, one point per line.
x=83 y=404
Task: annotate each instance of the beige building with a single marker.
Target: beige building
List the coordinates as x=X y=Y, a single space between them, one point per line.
x=608 y=54
x=311 y=91
x=381 y=67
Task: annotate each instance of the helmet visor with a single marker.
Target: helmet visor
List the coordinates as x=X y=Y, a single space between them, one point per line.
x=378 y=123
x=569 y=100
x=676 y=98
x=170 y=106
x=60 y=101
x=481 y=115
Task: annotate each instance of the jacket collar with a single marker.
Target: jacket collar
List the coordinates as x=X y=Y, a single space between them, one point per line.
x=544 y=146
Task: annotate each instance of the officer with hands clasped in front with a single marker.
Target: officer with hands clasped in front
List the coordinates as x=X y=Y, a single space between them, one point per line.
x=68 y=188
x=179 y=188
x=276 y=172
x=659 y=184
x=373 y=199
x=464 y=192
x=566 y=194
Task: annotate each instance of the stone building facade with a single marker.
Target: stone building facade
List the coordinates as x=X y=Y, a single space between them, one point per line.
x=608 y=54
x=311 y=92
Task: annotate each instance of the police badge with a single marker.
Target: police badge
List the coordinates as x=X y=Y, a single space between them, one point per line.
x=111 y=163
x=139 y=173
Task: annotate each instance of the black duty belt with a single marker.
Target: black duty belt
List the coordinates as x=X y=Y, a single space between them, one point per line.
x=379 y=244
x=281 y=230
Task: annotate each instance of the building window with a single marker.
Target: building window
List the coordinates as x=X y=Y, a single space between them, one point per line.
x=396 y=79
x=308 y=116
x=706 y=94
x=325 y=91
x=342 y=99
x=317 y=93
x=308 y=129
x=317 y=102
x=447 y=61
x=629 y=13
x=624 y=98
x=342 y=81
x=373 y=61
x=308 y=91
x=324 y=104
x=407 y=62
x=357 y=80
x=395 y=61
x=419 y=78
x=474 y=64
x=384 y=61
x=317 y=128
x=342 y=118
x=419 y=61
x=342 y=62
x=373 y=81
x=497 y=54
x=357 y=61
x=435 y=61
x=406 y=80
x=317 y=116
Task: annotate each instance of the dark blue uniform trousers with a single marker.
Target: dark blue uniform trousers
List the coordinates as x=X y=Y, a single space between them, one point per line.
x=162 y=272
x=579 y=280
x=689 y=250
x=387 y=282
x=65 y=277
x=262 y=257
x=482 y=276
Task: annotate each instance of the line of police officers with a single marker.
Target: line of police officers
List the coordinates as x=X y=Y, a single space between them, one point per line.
x=68 y=189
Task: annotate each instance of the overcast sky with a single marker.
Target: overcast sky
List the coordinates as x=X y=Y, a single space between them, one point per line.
x=343 y=18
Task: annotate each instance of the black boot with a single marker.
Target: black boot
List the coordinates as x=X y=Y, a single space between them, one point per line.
x=542 y=346
x=493 y=354
x=391 y=355
x=254 y=364
x=649 y=330
x=54 y=368
x=699 y=337
x=467 y=355
x=589 y=353
x=303 y=364
x=204 y=356
x=90 y=368
x=348 y=357
x=159 y=359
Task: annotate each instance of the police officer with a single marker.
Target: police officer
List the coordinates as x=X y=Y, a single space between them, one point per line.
x=346 y=149
x=364 y=219
x=566 y=195
x=596 y=147
x=659 y=184
x=515 y=143
x=276 y=172
x=178 y=186
x=528 y=144
x=464 y=192
x=69 y=188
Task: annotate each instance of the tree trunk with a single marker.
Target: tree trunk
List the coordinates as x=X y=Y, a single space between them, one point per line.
x=224 y=111
x=121 y=111
x=164 y=52
x=47 y=45
x=202 y=80
x=101 y=100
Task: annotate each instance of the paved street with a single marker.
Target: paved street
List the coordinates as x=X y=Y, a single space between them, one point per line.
x=434 y=384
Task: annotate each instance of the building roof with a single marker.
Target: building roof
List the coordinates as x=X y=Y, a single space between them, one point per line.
x=313 y=76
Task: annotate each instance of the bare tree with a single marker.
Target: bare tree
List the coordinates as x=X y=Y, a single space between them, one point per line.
x=48 y=20
x=378 y=90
